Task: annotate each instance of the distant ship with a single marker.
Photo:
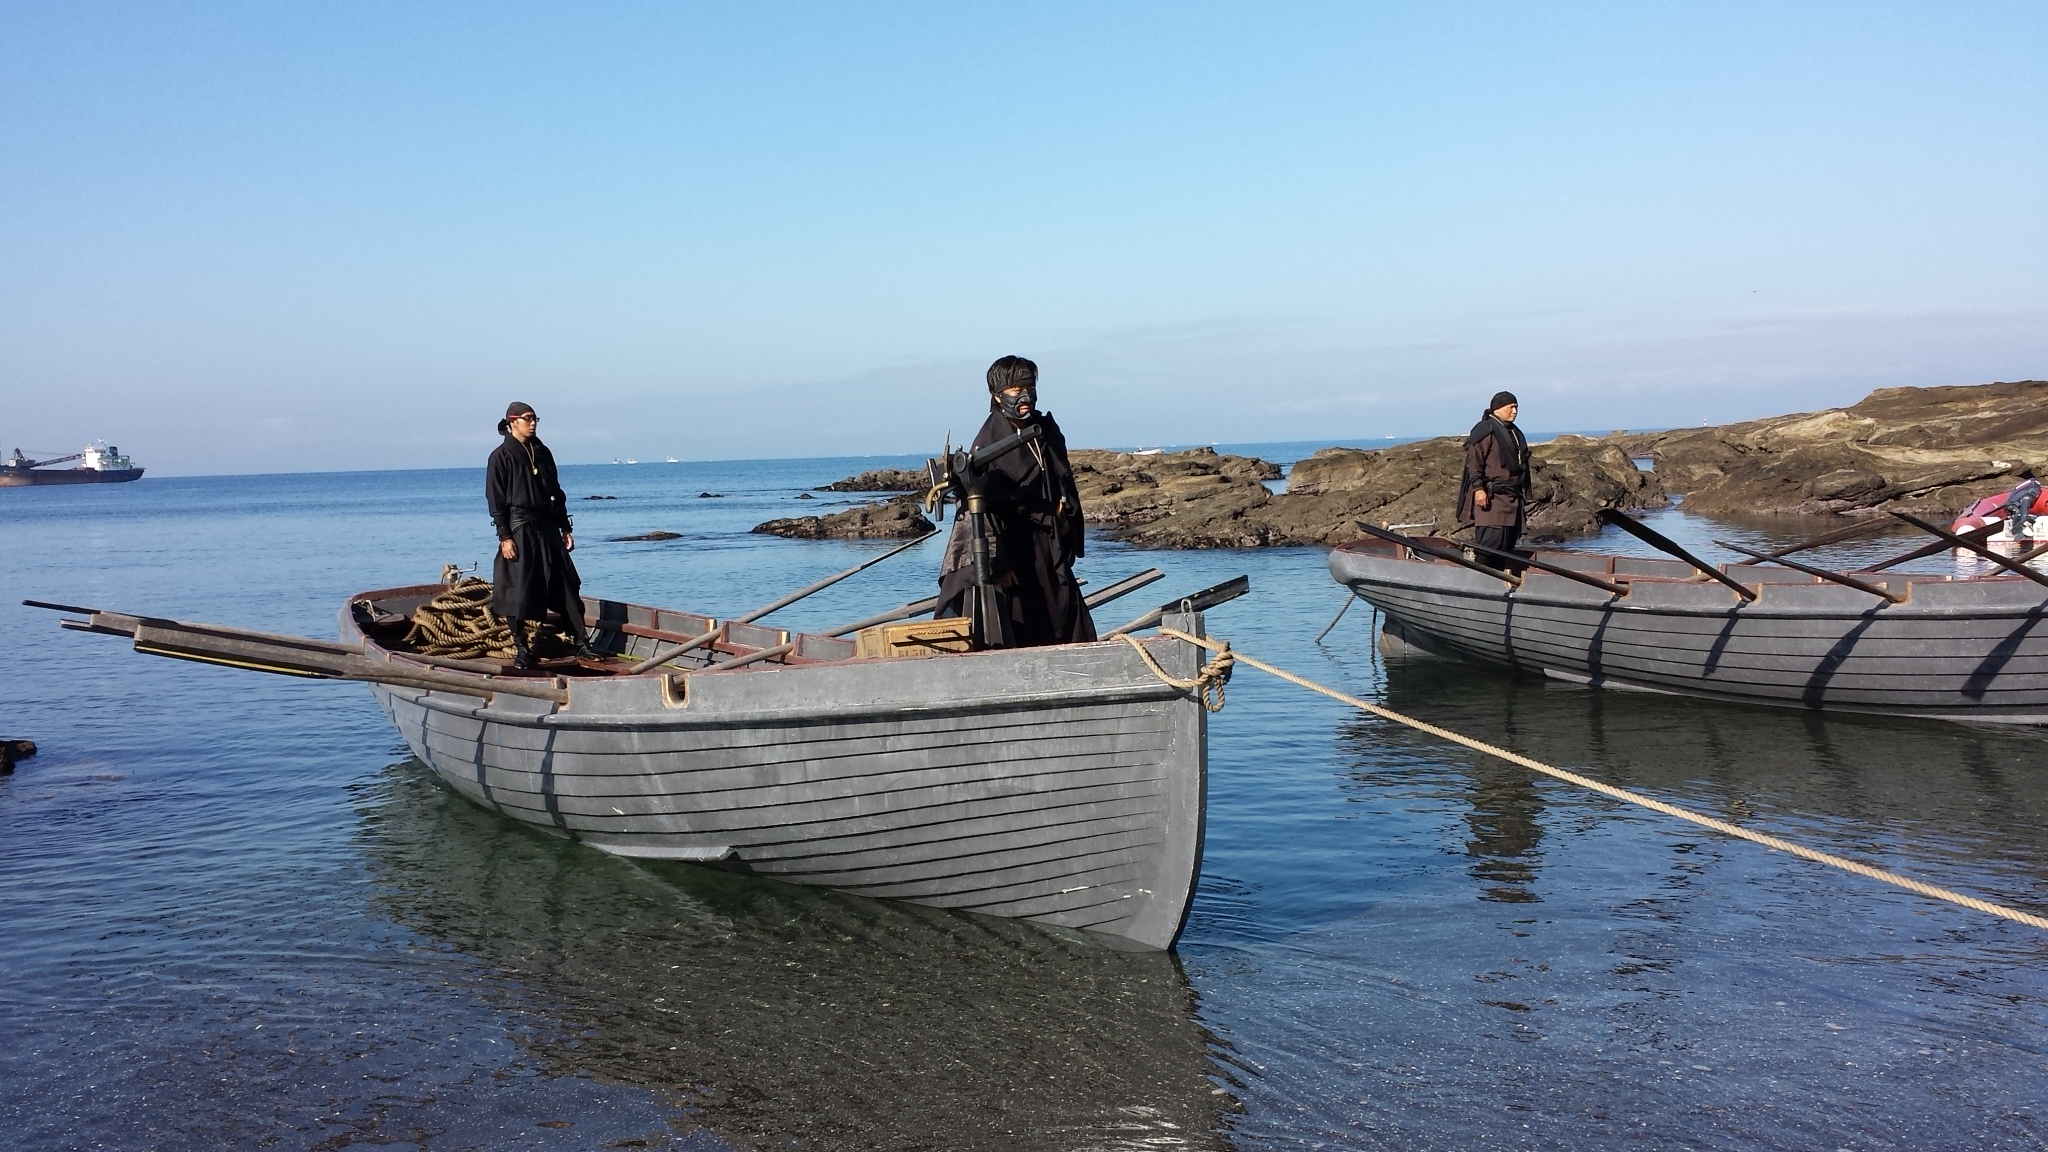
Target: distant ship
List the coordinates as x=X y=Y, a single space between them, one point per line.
x=100 y=465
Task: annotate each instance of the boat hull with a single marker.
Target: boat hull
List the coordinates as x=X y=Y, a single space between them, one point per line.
x=1961 y=650
x=33 y=477
x=1064 y=786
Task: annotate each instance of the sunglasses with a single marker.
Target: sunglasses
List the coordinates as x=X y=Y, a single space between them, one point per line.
x=530 y=418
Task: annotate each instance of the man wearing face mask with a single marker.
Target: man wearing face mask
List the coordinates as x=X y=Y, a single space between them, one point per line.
x=1033 y=523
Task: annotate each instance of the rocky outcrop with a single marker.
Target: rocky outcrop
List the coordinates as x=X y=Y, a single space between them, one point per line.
x=1922 y=450
x=880 y=480
x=1572 y=479
x=1930 y=450
x=1172 y=499
x=899 y=519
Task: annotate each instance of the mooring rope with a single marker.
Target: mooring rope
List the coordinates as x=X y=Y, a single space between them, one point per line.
x=1210 y=680
x=1721 y=826
x=459 y=623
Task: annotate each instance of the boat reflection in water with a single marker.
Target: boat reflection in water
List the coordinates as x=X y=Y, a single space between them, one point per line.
x=1957 y=795
x=773 y=1012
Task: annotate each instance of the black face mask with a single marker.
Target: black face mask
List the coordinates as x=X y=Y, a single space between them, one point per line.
x=1012 y=407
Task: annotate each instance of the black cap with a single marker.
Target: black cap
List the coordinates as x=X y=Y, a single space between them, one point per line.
x=1501 y=400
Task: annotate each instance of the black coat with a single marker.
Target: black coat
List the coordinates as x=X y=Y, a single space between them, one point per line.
x=529 y=509
x=1034 y=532
x=1496 y=459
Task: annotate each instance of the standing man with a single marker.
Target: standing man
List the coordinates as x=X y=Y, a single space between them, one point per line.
x=1493 y=494
x=533 y=574
x=1032 y=524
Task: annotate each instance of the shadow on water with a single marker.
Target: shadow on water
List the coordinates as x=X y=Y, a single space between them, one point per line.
x=777 y=1015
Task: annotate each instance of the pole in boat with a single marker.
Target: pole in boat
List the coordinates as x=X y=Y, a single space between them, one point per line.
x=1860 y=528
x=1608 y=586
x=1201 y=601
x=1822 y=573
x=1657 y=540
x=663 y=657
x=1450 y=555
x=1974 y=535
x=2010 y=565
x=1115 y=591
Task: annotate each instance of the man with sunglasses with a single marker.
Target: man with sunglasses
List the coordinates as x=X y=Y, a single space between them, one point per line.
x=533 y=574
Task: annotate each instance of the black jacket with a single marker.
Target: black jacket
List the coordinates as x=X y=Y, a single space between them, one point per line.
x=520 y=478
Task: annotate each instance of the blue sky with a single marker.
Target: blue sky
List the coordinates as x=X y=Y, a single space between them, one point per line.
x=275 y=237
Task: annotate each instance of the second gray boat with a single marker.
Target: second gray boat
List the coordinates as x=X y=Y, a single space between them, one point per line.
x=1953 y=648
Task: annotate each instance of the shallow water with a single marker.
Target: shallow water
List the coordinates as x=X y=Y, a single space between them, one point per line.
x=240 y=916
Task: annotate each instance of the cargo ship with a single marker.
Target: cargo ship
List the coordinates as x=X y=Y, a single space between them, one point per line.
x=97 y=464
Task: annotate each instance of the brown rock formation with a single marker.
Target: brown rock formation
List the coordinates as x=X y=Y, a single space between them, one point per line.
x=890 y=520
x=880 y=480
x=1573 y=477
x=1172 y=499
x=1925 y=450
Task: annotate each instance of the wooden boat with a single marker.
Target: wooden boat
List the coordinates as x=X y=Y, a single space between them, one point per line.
x=1060 y=785
x=1954 y=648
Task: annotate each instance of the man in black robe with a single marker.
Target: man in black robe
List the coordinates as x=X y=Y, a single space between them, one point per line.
x=1032 y=522
x=533 y=574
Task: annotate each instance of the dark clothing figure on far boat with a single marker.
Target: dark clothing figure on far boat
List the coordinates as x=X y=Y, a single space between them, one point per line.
x=533 y=574
x=1033 y=523
x=1493 y=494
x=2019 y=505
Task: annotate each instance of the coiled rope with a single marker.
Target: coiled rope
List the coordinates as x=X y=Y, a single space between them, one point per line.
x=1207 y=683
x=1721 y=826
x=459 y=623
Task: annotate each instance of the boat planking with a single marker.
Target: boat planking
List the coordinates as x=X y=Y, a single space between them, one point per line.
x=1954 y=648
x=1064 y=785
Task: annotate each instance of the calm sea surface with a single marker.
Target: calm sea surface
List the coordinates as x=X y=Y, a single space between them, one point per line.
x=239 y=915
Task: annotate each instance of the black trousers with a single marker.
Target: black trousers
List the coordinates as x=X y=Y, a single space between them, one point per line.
x=1497 y=536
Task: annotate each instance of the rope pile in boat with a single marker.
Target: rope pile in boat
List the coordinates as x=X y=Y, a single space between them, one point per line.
x=1208 y=683
x=459 y=623
x=1721 y=826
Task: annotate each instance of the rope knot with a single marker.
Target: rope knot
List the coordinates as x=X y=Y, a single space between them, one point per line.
x=1207 y=684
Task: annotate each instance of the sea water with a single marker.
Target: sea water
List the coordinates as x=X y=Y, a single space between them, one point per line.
x=238 y=914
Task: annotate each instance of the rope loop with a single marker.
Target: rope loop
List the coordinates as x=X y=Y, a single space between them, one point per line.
x=1207 y=684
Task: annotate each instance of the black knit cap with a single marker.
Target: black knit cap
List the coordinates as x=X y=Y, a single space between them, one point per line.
x=1501 y=400
x=1012 y=372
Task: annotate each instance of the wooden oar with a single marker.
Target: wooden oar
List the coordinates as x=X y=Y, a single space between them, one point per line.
x=1657 y=540
x=2010 y=565
x=1860 y=528
x=295 y=657
x=1979 y=534
x=1450 y=554
x=1554 y=569
x=1824 y=574
x=668 y=654
x=1201 y=601
x=1115 y=591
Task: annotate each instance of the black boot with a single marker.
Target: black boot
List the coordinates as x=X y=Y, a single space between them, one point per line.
x=522 y=656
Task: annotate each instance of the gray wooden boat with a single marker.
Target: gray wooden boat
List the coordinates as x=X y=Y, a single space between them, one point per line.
x=1953 y=648
x=1064 y=785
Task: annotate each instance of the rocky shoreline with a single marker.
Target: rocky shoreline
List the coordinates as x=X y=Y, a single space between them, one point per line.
x=1929 y=451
